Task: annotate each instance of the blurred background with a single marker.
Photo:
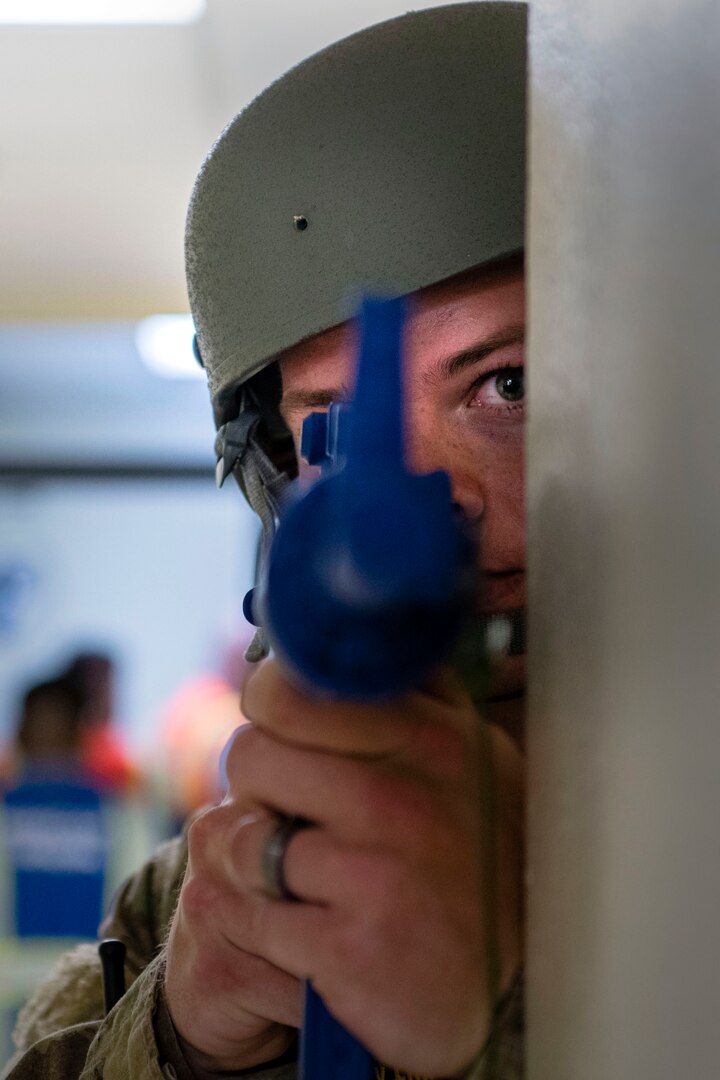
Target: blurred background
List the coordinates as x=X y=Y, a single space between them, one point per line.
x=122 y=568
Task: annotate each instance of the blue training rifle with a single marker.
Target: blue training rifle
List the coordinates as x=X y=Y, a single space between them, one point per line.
x=367 y=584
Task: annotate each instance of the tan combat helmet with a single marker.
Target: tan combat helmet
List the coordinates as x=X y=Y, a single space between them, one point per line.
x=389 y=161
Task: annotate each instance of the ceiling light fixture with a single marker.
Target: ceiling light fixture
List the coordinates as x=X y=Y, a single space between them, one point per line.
x=164 y=343
x=93 y=12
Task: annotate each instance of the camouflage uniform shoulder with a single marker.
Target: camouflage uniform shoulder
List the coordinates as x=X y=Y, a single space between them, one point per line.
x=120 y=1047
x=56 y=1057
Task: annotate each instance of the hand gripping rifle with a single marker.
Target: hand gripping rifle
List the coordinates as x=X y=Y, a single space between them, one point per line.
x=367 y=584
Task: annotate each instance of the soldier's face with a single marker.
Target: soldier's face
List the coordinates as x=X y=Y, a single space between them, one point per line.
x=464 y=385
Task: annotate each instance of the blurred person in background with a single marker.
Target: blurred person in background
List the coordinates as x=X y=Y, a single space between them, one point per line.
x=102 y=751
x=49 y=732
x=53 y=830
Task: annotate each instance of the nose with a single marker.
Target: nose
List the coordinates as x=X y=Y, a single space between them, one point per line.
x=428 y=452
x=468 y=501
x=433 y=442
x=466 y=487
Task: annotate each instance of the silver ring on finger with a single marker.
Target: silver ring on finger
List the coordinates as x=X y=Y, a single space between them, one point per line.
x=273 y=857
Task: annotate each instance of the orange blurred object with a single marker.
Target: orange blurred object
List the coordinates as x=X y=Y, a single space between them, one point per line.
x=103 y=757
x=196 y=726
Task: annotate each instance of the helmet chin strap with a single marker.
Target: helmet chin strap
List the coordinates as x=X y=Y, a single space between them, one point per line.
x=239 y=453
x=261 y=482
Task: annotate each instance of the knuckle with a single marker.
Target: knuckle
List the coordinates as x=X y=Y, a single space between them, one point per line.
x=401 y=807
x=209 y=837
x=218 y=976
x=200 y=832
x=251 y=695
x=244 y=849
x=201 y=900
x=239 y=750
x=252 y=767
x=267 y=696
x=224 y=846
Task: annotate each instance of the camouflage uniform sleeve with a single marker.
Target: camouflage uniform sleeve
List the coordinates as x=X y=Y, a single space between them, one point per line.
x=120 y=1047
x=284 y=1068
x=56 y=1057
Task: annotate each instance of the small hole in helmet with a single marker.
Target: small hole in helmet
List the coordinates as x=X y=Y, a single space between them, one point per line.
x=300 y=222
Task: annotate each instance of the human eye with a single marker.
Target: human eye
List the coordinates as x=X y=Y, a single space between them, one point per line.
x=501 y=391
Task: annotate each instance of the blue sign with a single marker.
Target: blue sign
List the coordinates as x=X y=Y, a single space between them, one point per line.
x=57 y=850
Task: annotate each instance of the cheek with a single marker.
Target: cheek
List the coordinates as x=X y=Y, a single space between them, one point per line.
x=487 y=455
x=503 y=493
x=504 y=474
x=504 y=530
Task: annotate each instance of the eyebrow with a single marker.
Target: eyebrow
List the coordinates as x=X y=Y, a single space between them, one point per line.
x=313 y=399
x=446 y=368
x=450 y=366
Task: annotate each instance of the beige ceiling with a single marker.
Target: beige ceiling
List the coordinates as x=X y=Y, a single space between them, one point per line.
x=102 y=131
